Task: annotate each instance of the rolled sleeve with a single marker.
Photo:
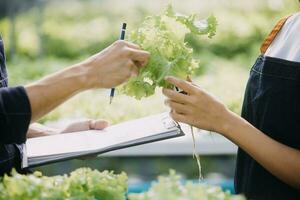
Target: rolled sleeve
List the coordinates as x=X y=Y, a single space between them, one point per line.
x=15 y=115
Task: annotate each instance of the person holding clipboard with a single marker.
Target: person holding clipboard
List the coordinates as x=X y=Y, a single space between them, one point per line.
x=22 y=105
x=268 y=133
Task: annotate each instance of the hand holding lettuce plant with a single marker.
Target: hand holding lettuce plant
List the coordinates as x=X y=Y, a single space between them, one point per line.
x=164 y=37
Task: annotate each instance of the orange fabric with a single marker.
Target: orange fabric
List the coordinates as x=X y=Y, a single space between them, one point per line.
x=273 y=34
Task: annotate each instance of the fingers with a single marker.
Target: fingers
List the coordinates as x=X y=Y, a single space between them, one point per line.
x=178 y=107
x=134 y=70
x=82 y=125
x=134 y=52
x=134 y=67
x=98 y=124
x=184 y=85
x=176 y=96
x=123 y=43
x=178 y=117
x=131 y=45
x=140 y=56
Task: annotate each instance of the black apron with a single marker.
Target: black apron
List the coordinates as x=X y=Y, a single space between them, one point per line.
x=271 y=104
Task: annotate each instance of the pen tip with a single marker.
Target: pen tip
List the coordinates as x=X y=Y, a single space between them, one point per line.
x=110 y=100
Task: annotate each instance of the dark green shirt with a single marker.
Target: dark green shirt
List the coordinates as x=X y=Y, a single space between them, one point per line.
x=15 y=116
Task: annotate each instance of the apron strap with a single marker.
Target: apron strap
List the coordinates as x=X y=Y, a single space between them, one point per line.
x=267 y=42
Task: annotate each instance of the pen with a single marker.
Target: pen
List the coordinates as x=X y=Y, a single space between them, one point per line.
x=122 y=37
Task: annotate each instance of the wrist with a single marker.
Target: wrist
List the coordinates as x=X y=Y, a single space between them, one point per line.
x=91 y=76
x=228 y=122
x=38 y=130
x=83 y=76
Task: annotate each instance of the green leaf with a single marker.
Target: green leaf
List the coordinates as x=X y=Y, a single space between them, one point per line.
x=164 y=37
x=81 y=184
x=172 y=188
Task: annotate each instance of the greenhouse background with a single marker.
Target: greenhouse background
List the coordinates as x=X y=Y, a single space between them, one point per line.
x=43 y=36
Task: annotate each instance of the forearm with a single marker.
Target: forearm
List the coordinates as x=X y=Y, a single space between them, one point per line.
x=280 y=160
x=199 y=108
x=51 y=91
x=109 y=68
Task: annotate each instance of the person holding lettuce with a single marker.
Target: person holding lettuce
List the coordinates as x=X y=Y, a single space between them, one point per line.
x=22 y=105
x=268 y=133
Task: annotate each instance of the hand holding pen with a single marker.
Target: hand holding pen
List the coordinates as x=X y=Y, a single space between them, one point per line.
x=122 y=37
x=138 y=57
x=114 y=65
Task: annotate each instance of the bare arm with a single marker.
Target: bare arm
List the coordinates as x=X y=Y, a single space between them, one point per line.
x=53 y=90
x=279 y=159
x=200 y=109
x=109 y=68
x=39 y=130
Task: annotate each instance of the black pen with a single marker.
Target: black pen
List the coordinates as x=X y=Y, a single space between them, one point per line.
x=122 y=37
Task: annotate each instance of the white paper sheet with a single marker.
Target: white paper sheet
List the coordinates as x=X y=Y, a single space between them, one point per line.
x=94 y=140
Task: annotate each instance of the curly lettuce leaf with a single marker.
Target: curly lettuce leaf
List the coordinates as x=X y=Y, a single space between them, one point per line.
x=164 y=37
x=81 y=184
x=171 y=188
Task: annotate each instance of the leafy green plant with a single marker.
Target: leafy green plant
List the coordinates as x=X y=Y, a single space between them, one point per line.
x=170 y=188
x=81 y=184
x=164 y=37
x=88 y=184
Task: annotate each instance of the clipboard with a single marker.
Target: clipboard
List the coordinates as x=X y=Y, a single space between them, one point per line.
x=56 y=148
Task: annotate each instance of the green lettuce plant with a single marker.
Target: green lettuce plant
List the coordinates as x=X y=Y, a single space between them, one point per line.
x=164 y=37
x=81 y=184
x=171 y=188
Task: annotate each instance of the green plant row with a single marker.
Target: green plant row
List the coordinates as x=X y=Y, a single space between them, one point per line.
x=88 y=184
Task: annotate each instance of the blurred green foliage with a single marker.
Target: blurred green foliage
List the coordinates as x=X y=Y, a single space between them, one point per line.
x=61 y=33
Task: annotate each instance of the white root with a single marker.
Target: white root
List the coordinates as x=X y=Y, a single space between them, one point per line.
x=195 y=155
